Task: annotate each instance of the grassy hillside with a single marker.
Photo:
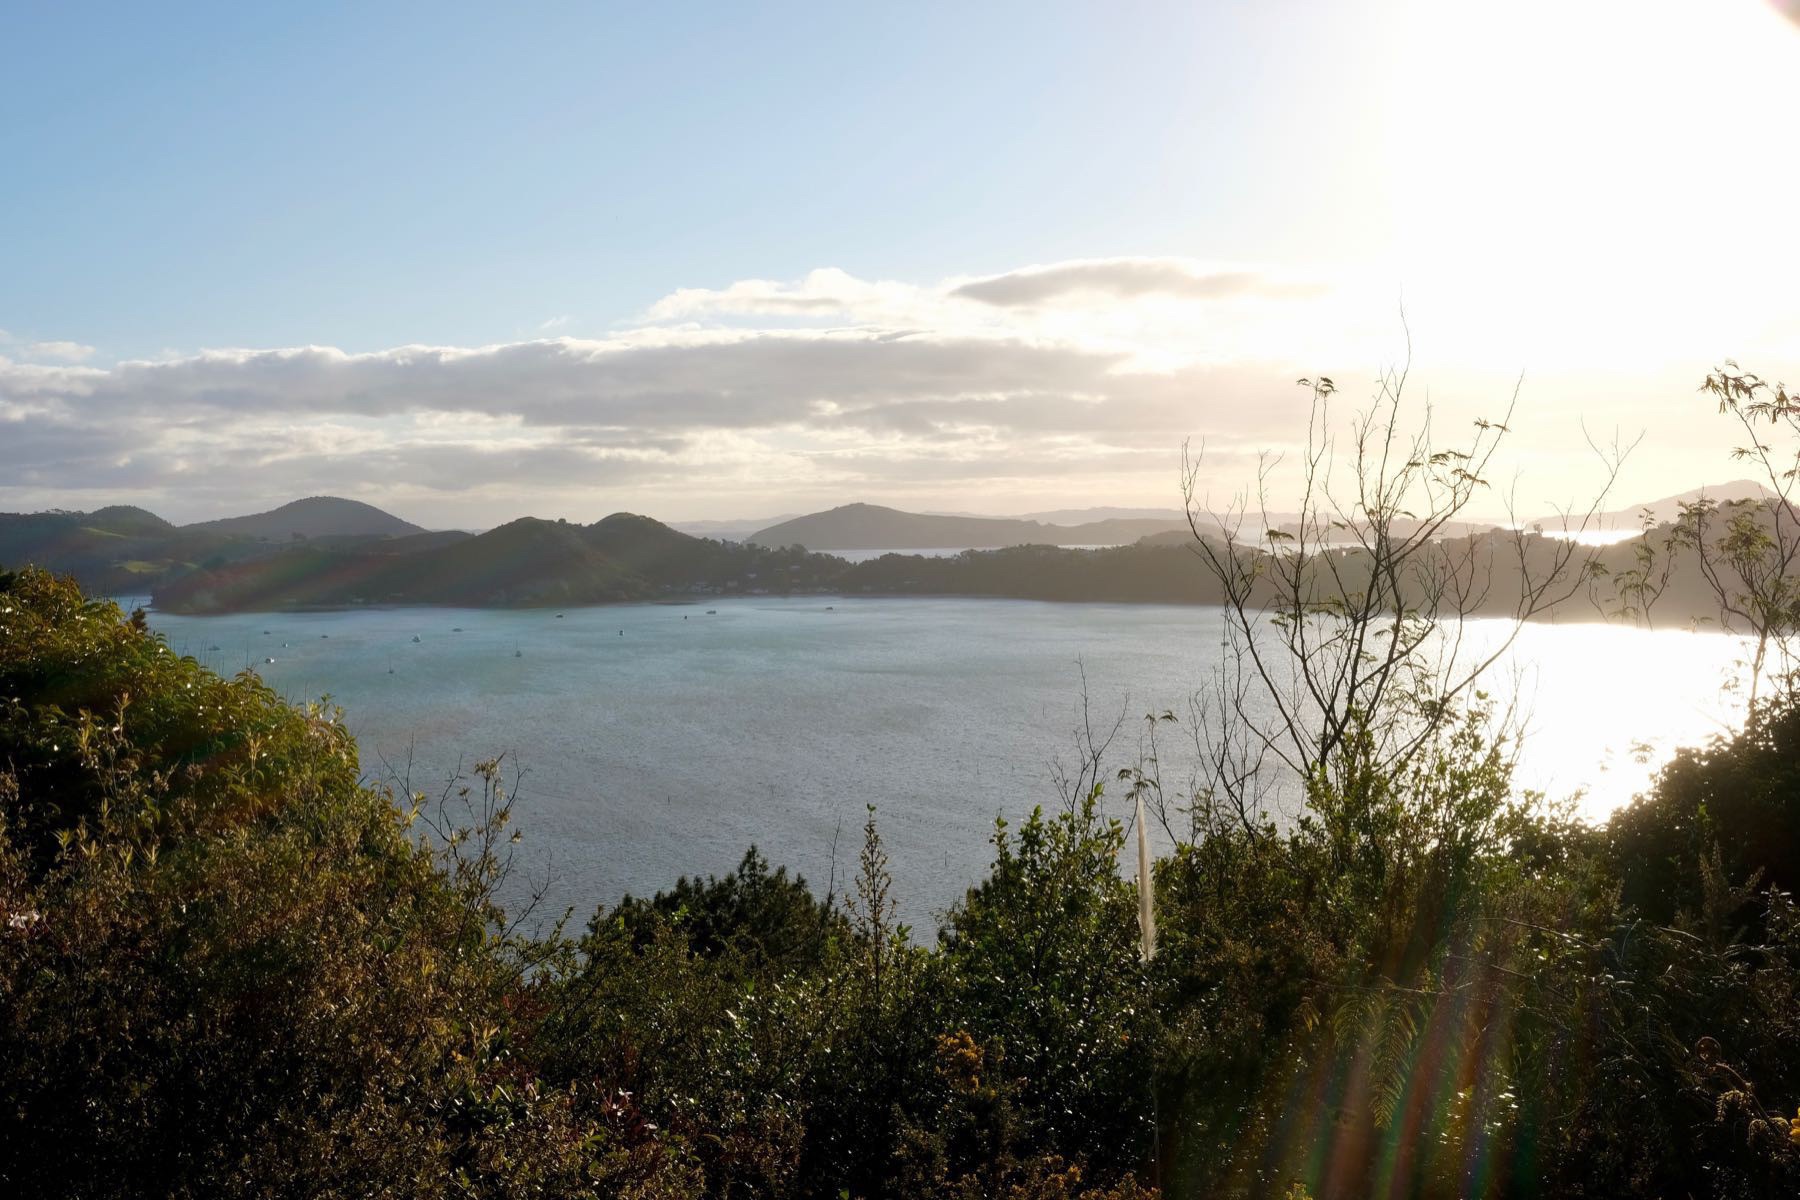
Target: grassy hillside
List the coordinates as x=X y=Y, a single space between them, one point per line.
x=114 y=551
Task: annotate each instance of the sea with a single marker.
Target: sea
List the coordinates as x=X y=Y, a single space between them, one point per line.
x=651 y=741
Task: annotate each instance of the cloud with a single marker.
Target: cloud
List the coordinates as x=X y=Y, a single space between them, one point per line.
x=855 y=410
x=59 y=351
x=778 y=395
x=826 y=292
x=1124 y=278
x=56 y=351
x=658 y=385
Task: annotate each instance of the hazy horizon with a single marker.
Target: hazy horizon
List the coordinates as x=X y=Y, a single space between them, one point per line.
x=1620 y=513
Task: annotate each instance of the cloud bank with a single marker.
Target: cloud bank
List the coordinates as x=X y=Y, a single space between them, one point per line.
x=1053 y=385
x=760 y=393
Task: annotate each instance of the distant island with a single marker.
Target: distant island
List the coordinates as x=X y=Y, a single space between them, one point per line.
x=327 y=552
x=873 y=527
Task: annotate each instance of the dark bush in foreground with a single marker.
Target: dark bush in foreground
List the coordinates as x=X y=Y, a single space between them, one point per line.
x=226 y=968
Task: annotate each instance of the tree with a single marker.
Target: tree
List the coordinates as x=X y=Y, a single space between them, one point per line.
x=1347 y=646
x=1746 y=551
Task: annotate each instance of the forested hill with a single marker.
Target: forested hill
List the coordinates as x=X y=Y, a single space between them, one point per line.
x=315 y=516
x=627 y=557
x=633 y=558
x=525 y=562
x=123 y=551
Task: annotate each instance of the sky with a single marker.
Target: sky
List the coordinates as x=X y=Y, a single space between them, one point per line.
x=729 y=261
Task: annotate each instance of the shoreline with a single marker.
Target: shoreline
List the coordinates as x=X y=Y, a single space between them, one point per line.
x=1587 y=616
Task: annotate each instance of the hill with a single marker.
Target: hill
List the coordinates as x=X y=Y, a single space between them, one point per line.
x=523 y=562
x=129 y=552
x=874 y=527
x=527 y=562
x=128 y=520
x=315 y=516
x=1668 y=508
x=115 y=551
x=122 y=550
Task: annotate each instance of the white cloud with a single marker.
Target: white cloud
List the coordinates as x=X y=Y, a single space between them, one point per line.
x=828 y=292
x=1053 y=385
x=58 y=351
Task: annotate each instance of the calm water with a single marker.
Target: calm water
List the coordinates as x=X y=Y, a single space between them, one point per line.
x=659 y=740
x=857 y=556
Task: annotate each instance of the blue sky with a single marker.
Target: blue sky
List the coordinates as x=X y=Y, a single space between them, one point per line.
x=367 y=175
x=708 y=260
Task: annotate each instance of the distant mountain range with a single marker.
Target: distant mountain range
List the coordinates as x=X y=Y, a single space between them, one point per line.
x=1665 y=510
x=730 y=531
x=1086 y=516
x=873 y=527
x=324 y=552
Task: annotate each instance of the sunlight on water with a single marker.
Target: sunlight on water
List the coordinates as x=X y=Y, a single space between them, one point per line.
x=1604 y=706
x=857 y=556
x=1594 y=537
x=663 y=739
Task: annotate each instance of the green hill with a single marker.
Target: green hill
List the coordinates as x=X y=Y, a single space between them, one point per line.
x=523 y=563
x=315 y=516
x=130 y=521
x=112 y=551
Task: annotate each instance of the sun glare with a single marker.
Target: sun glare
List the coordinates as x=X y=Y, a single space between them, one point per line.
x=1572 y=176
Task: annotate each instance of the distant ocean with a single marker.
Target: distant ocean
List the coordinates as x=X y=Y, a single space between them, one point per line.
x=659 y=740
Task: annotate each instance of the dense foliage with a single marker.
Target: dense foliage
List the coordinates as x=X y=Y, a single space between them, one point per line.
x=228 y=966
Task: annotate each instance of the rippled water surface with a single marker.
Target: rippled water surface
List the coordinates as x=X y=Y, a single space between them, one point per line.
x=659 y=740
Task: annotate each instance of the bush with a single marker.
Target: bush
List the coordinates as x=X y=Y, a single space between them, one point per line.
x=227 y=968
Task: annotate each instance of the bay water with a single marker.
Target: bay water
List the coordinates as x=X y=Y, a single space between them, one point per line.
x=657 y=740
